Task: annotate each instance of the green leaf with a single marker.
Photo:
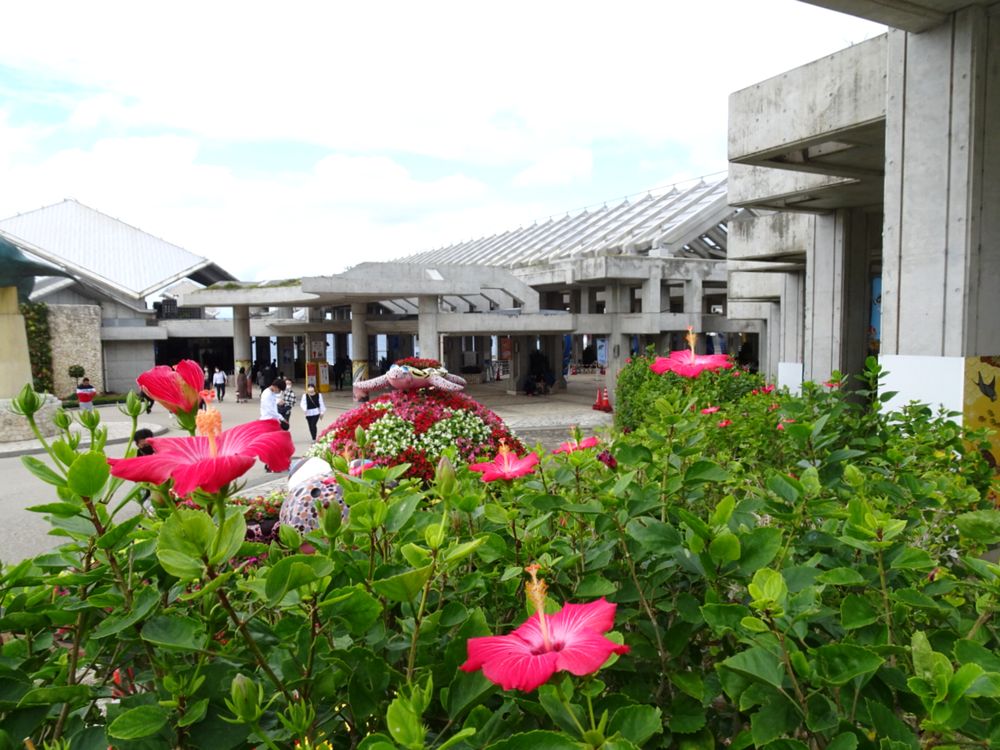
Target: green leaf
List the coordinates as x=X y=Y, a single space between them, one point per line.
x=705 y=471
x=687 y=715
x=459 y=552
x=856 y=612
x=725 y=548
x=652 y=534
x=844 y=741
x=42 y=471
x=912 y=558
x=980 y=525
x=87 y=475
x=142 y=605
x=841 y=577
x=46 y=696
x=757 y=665
x=777 y=717
x=595 y=585
x=723 y=511
x=768 y=585
x=400 y=512
x=355 y=606
x=185 y=539
x=548 y=696
x=838 y=664
x=229 y=537
x=175 y=632
x=403 y=723
x=466 y=690
x=759 y=546
x=138 y=722
x=637 y=724
x=631 y=455
x=112 y=538
x=194 y=713
x=537 y=740
x=405 y=586
x=722 y=617
x=689 y=683
x=295 y=571
x=62 y=510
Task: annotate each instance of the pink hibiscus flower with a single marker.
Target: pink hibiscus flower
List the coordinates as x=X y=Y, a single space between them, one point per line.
x=687 y=364
x=710 y=410
x=506 y=465
x=576 y=445
x=725 y=423
x=210 y=460
x=572 y=640
x=175 y=388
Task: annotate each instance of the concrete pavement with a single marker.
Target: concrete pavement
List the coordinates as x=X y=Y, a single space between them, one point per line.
x=534 y=419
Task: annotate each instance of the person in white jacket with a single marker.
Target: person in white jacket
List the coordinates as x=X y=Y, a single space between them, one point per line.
x=313 y=407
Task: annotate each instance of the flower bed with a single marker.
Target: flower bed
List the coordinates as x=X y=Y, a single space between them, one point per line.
x=415 y=427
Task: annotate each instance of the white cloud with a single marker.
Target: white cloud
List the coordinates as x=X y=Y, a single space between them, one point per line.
x=558 y=168
x=522 y=100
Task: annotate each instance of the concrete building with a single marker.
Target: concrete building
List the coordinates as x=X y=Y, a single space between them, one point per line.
x=99 y=315
x=871 y=183
x=626 y=275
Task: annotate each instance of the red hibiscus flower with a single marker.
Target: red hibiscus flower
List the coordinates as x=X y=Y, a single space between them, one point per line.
x=687 y=364
x=572 y=640
x=175 y=388
x=710 y=410
x=725 y=423
x=506 y=465
x=210 y=460
x=576 y=445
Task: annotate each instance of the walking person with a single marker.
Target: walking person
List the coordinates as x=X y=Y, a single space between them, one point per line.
x=313 y=407
x=219 y=381
x=242 y=386
x=270 y=397
x=287 y=401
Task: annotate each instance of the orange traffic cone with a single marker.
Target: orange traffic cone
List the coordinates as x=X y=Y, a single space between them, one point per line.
x=598 y=406
x=605 y=401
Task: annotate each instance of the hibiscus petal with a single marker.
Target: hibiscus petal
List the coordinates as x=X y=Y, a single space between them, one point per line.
x=154 y=469
x=587 y=653
x=262 y=438
x=192 y=374
x=210 y=474
x=574 y=619
x=509 y=662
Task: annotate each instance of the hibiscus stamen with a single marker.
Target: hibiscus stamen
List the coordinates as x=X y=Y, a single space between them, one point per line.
x=691 y=338
x=209 y=424
x=536 y=589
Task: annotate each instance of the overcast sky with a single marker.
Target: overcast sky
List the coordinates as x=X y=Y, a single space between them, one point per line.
x=289 y=139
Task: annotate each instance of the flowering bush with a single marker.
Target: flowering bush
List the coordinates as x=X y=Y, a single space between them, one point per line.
x=817 y=587
x=416 y=427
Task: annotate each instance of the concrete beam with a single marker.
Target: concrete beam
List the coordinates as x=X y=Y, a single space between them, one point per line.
x=810 y=105
x=908 y=15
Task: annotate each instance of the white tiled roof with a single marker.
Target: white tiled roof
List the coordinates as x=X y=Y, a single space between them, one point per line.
x=689 y=222
x=93 y=244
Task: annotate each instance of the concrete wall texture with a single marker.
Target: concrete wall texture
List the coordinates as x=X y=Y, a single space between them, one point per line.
x=76 y=340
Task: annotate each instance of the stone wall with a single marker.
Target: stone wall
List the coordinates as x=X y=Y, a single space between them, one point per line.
x=76 y=340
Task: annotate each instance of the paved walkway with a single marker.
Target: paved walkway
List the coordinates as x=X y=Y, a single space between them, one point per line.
x=544 y=419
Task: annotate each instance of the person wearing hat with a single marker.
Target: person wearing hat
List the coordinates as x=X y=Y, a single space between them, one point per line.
x=313 y=407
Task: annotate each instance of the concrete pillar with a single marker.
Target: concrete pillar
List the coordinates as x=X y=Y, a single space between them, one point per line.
x=519 y=362
x=15 y=365
x=241 y=338
x=617 y=302
x=941 y=256
x=652 y=292
x=359 y=342
x=693 y=296
x=427 y=328
x=837 y=296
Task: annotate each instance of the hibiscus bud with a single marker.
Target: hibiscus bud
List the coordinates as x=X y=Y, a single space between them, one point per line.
x=444 y=478
x=434 y=536
x=27 y=402
x=133 y=406
x=331 y=519
x=246 y=697
x=61 y=419
x=89 y=419
x=289 y=537
x=360 y=438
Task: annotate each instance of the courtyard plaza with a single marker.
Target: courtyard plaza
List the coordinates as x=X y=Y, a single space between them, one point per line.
x=535 y=419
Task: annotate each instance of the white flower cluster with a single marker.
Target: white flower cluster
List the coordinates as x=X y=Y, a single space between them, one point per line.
x=391 y=435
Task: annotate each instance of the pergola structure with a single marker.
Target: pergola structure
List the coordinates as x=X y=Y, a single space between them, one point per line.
x=634 y=273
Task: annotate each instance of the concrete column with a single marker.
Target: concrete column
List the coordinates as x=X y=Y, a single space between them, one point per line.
x=837 y=296
x=15 y=365
x=427 y=330
x=617 y=302
x=651 y=293
x=941 y=259
x=693 y=296
x=519 y=361
x=241 y=338
x=359 y=342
